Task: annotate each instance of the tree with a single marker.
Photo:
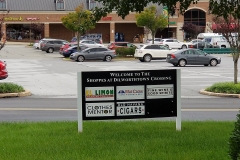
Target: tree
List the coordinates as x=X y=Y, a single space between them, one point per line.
x=151 y=20
x=79 y=21
x=192 y=29
x=227 y=22
x=37 y=28
x=2 y=38
x=123 y=7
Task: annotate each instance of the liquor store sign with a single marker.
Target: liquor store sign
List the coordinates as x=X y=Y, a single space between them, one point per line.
x=128 y=95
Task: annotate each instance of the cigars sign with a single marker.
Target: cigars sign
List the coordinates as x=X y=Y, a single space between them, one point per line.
x=128 y=94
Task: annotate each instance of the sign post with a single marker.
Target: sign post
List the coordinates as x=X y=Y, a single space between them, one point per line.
x=129 y=95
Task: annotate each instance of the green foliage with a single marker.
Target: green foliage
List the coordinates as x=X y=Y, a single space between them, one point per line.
x=124 y=7
x=151 y=20
x=123 y=52
x=234 y=141
x=10 y=88
x=225 y=87
x=79 y=21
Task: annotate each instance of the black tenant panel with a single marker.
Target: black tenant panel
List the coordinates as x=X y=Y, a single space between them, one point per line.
x=132 y=94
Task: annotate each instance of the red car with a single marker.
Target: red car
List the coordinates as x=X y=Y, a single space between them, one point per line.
x=66 y=46
x=115 y=45
x=3 y=70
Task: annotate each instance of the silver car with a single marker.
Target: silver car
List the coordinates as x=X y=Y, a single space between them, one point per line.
x=52 y=45
x=96 y=53
x=90 y=43
x=192 y=57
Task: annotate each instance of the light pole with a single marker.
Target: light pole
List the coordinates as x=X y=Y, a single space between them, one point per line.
x=168 y=24
x=30 y=29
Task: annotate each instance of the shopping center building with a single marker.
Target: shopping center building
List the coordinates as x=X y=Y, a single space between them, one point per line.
x=49 y=12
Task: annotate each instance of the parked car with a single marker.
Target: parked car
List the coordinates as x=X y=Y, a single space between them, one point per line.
x=94 y=54
x=192 y=57
x=173 y=43
x=152 y=52
x=91 y=43
x=38 y=45
x=156 y=41
x=52 y=45
x=115 y=45
x=192 y=41
x=201 y=45
x=67 y=52
x=66 y=46
x=3 y=70
x=97 y=40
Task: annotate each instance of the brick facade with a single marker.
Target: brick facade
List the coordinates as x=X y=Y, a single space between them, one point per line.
x=107 y=27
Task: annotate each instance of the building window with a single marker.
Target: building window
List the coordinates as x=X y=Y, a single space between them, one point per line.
x=91 y=4
x=60 y=5
x=3 y=5
x=195 y=16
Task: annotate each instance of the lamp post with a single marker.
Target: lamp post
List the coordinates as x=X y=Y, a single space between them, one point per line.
x=168 y=24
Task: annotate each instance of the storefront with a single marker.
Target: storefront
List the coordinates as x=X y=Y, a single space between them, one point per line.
x=112 y=27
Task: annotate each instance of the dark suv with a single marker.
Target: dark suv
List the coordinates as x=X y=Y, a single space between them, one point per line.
x=52 y=45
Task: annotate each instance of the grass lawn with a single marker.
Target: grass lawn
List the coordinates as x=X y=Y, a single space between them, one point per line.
x=115 y=140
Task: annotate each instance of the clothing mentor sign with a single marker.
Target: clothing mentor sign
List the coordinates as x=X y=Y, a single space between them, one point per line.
x=129 y=94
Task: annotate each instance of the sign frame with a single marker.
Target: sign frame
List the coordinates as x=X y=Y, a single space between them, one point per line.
x=98 y=94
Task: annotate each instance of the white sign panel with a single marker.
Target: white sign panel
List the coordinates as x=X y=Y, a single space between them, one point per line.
x=130 y=92
x=100 y=109
x=130 y=108
x=99 y=93
x=159 y=91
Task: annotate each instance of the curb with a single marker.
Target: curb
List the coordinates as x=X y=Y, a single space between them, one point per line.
x=20 y=94
x=202 y=91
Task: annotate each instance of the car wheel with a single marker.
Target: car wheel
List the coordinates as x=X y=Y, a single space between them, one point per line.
x=80 y=58
x=108 y=58
x=213 y=62
x=206 y=64
x=182 y=63
x=223 y=46
x=175 y=65
x=141 y=60
x=184 y=46
x=167 y=45
x=50 y=50
x=147 y=58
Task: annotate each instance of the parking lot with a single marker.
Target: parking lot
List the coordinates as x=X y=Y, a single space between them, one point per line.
x=49 y=75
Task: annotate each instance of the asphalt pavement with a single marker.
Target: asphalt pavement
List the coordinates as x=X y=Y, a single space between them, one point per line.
x=50 y=76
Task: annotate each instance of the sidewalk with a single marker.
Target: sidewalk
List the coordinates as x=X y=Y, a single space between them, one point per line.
x=17 y=43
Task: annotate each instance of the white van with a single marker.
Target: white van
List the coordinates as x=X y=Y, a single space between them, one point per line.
x=215 y=39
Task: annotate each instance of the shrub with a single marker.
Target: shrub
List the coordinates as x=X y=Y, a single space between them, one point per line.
x=225 y=87
x=10 y=88
x=234 y=141
x=124 y=52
